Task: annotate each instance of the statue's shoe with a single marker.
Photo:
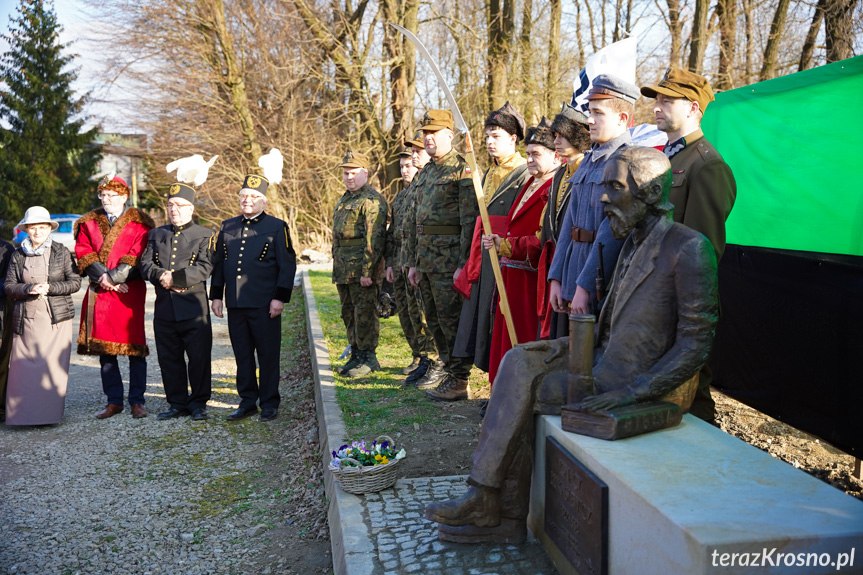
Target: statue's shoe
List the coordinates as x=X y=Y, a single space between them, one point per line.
x=479 y=506
x=509 y=531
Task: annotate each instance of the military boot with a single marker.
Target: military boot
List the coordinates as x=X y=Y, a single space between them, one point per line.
x=353 y=361
x=450 y=389
x=417 y=374
x=368 y=364
x=432 y=377
x=412 y=367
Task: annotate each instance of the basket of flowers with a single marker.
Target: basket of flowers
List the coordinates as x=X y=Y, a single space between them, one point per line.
x=362 y=468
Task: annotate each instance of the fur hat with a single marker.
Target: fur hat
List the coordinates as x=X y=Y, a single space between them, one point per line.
x=571 y=124
x=112 y=183
x=508 y=119
x=541 y=134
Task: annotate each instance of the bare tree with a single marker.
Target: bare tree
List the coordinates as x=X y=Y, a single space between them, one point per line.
x=699 y=38
x=727 y=10
x=768 y=67
x=808 y=49
x=838 y=28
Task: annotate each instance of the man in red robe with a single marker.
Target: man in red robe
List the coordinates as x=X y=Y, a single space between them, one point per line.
x=109 y=242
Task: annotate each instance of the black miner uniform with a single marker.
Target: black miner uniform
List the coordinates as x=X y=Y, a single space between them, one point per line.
x=181 y=320
x=254 y=264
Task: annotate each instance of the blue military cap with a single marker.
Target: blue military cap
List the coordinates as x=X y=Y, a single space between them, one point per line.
x=606 y=86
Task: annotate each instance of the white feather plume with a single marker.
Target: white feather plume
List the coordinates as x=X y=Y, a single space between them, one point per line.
x=191 y=170
x=272 y=164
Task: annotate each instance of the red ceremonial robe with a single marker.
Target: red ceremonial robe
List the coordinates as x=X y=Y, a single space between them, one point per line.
x=117 y=318
x=519 y=275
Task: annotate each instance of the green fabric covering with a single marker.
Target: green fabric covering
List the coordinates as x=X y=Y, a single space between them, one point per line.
x=794 y=144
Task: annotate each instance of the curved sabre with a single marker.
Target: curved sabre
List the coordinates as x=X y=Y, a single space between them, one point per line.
x=459 y=122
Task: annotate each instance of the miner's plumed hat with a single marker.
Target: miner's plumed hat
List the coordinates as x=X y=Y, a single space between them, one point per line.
x=256 y=184
x=182 y=191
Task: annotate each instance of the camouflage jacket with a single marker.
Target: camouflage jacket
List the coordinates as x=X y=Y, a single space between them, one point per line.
x=443 y=217
x=397 y=232
x=359 y=230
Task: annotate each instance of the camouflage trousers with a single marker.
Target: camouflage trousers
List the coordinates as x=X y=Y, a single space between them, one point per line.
x=360 y=314
x=408 y=306
x=442 y=306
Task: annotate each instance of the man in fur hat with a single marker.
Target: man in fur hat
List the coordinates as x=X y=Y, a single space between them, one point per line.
x=109 y=242
x=178 y=261
x=501 y=183
x=253 y=273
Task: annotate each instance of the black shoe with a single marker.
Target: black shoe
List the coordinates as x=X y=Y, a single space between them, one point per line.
x=433 y=377
x=269 y=414
x=172 y=413
x=199 y=414
x=241 y=413
x=418 y=373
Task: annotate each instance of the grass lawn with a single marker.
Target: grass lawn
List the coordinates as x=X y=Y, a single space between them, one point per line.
x=375 y=404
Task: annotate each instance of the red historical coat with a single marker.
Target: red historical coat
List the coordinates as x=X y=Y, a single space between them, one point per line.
x=115 y=324
x=519 y=272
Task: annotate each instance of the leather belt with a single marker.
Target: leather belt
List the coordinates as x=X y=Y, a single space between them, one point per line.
x=438 y=230
x=349 y=242
x=582 y=235
x=517 y=264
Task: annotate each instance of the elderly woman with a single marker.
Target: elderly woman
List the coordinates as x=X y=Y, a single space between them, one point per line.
x=41 y=280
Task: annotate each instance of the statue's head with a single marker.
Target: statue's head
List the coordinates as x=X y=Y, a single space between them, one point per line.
x=636 y=180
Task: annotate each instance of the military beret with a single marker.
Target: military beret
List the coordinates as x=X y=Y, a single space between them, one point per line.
x=541 y=134
x=569 y=122
x=435 y=120
x=417 y=140
x=682 y=84
x=355 y=160
x=508 y=119
x=182 y=191
x=606 y=86
x=256 y=184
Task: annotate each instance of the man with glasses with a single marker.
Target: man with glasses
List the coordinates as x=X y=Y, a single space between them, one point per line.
x=178 y=261
x=254 y=266
x=108 y=244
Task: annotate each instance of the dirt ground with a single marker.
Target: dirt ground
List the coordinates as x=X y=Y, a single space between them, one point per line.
x=446 y=448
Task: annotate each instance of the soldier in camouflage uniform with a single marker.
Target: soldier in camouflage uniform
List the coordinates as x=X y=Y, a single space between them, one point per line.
x=408 y=305
x=446 y=209
x=359 y=230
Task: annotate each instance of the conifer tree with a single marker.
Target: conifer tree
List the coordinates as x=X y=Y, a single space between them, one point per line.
x=45 y=157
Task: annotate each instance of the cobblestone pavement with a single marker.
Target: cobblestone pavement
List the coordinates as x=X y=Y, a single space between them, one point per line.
x=407 y=543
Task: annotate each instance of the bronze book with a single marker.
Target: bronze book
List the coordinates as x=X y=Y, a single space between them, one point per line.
x=621 y=422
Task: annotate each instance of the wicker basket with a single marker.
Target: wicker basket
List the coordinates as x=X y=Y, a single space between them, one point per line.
x=361 y=479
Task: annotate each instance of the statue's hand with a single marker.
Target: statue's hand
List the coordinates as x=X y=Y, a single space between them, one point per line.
x=607 y=400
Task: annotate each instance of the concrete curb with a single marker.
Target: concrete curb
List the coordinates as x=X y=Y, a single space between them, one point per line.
x=352 y=547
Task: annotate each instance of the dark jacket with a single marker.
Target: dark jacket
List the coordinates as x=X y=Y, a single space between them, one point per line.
x=62 y=279
x=6 y=250
x=185 y=251
x=267 y=271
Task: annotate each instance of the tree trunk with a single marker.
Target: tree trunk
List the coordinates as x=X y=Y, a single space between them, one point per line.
x=578 y=37
x=675 y=31
x=749 y=49
x=553 y=77
x=727 y=43
x=838 y=29
x=501 y=28
x=809 y=43
x=698 y=41
x=771 y=51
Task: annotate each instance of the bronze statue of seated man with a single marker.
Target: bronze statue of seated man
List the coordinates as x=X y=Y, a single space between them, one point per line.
x=654 y=334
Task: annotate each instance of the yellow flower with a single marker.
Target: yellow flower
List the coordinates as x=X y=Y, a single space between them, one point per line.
x=378 y=457
x=385 y=461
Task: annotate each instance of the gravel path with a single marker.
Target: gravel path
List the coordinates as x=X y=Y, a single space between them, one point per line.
x=147 y=496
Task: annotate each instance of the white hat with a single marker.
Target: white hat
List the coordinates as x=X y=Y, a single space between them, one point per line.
x=38 y=215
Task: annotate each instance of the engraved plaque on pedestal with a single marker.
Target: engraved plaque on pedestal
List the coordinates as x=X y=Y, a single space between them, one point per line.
x=576 y=511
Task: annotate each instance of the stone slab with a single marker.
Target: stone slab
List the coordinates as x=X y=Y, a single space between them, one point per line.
x=681 y=498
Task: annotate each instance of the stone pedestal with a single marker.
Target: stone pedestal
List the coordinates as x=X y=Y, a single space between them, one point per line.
x=686 y=499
